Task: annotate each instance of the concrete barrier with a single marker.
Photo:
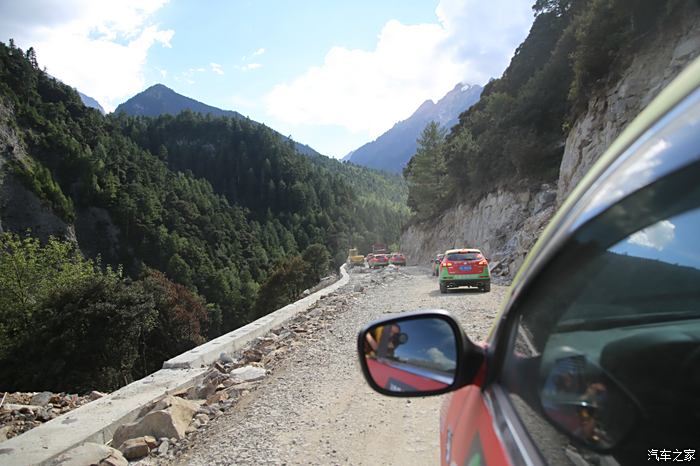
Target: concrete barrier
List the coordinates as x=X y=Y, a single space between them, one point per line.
x=97 y=421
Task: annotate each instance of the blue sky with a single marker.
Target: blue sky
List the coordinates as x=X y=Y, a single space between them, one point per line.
x=333 y=75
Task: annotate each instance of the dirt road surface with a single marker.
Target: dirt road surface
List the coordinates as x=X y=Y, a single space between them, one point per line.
x=316 y=408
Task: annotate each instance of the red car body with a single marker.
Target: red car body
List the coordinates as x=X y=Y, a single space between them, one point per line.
x=392 y=376
x=378 y=260
x=398 y=258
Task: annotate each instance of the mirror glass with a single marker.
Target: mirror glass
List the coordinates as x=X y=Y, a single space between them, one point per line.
x=412 y=355
x=580 y=398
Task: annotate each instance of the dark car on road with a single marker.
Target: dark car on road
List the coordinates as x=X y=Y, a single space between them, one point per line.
x=594 y=358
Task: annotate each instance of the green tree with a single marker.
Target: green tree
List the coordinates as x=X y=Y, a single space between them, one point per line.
x=30 y=273
x=427 y=172
x=89 y=336
x=318 y=260
x=284 y=285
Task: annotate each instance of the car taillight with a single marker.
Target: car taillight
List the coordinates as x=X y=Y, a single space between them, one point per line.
x=483 y=262
x=449 y=264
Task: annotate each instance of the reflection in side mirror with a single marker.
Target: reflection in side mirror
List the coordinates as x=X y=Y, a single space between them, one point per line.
x=581 y=399
x=411 y=355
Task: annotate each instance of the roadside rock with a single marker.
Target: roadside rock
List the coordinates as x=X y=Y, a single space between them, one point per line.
x=22 y=411
x=169 y=418
x=135 y=448
x=163 y=447
x=95 y=395
x=4 y=431
x=247 y=374
x=91 y=453
x=40 y=399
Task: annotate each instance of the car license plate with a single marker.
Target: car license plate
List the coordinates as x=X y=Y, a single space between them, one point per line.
x=465 y=267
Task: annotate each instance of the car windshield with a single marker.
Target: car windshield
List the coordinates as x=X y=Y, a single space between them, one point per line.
x=469 y=256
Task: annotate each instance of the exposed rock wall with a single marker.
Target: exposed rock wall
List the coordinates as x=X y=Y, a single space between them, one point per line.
x=609 y=112
x=505 y=224
x=21 y=209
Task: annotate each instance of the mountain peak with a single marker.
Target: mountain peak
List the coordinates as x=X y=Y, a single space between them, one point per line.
x=393 y=149
x=159 y=99
x=425 y=106
x=159 y=88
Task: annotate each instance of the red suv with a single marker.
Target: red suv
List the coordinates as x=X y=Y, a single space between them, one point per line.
x=595 y=356
x=378 y=260
x=397 y=258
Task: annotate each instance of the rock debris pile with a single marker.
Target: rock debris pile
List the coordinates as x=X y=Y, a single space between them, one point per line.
x=20 y=411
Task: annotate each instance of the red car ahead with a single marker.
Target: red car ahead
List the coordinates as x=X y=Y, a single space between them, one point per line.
x=378 y=260
x=397 y=258
x=595 y=356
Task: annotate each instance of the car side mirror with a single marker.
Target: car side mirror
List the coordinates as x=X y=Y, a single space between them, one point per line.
x=417 y=354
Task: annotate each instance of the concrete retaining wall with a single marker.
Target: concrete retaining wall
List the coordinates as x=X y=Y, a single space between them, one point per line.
x=97 y=421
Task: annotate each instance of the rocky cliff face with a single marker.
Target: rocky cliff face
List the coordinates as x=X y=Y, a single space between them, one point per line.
x=609 y=112
x=505 y=224
x=21 y=209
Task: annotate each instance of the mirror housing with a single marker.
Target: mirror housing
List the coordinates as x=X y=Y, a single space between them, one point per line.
x=418 y=354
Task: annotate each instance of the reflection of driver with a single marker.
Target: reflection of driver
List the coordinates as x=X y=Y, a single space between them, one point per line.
x=594 y=396
x=381 y=343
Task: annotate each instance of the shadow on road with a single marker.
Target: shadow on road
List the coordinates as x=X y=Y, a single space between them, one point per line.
x=455 y=291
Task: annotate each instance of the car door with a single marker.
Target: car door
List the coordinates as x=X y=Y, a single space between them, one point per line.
x=467 y=435
x=597 y=358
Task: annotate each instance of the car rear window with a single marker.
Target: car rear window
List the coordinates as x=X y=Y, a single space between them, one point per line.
x=469 y=256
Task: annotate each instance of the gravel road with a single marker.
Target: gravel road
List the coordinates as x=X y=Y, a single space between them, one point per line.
x=316 y=408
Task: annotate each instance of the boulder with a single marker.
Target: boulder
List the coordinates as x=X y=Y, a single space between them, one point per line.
x=202 y=390
x=91 y=453
x=4 y=431
x=95 y=395
x=163 y=447
x=217 y=397
x=41 y=399
x=225 y=358
x=247 y=374
x=135 y=448
x=169 y=418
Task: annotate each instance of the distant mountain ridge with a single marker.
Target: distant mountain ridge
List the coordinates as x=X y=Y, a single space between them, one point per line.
x=392 y=150
x=161 y=100
x=90 y=102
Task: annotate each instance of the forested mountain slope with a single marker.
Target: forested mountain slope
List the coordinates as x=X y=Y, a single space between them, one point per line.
x=161 y=100
x=194 y=215
x=584 y=71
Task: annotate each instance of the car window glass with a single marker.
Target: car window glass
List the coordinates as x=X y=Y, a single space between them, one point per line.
x=470 y=256
x=606 y=346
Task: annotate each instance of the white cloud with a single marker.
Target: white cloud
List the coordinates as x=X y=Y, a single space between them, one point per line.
x=249 y=66
x=100 y=46
x=368 y=91
x=657 y=236
x=216 y=68
x=258 y=52
x=439 y=358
